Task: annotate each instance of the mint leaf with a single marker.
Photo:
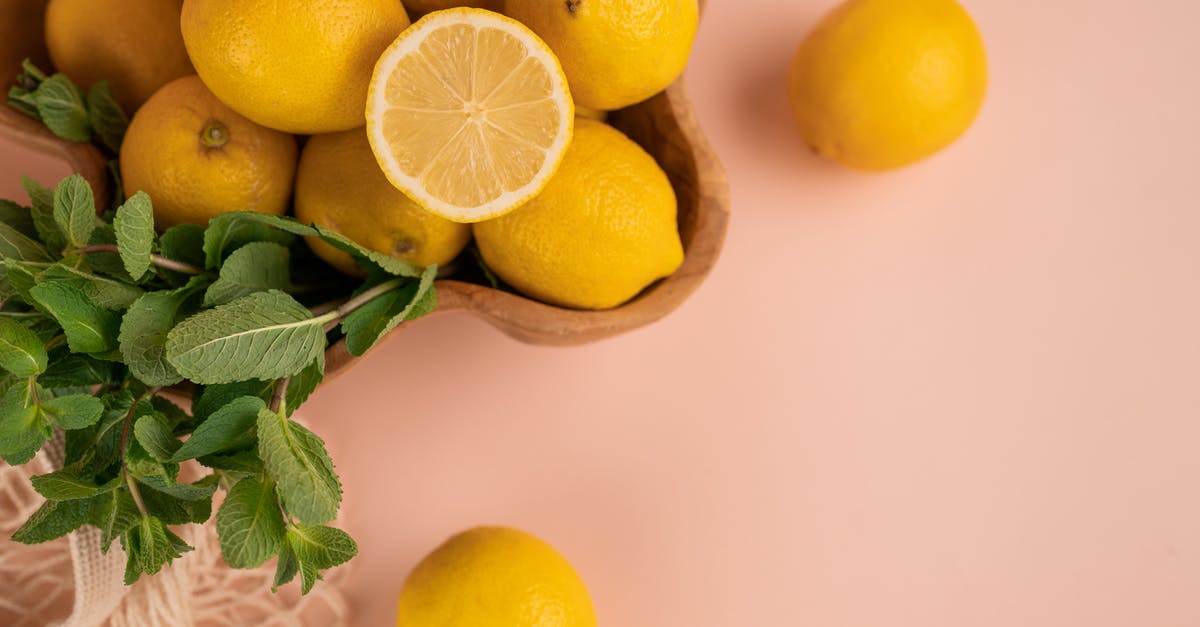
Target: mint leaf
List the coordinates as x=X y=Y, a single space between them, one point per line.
x=267 y=335
x=283 y=223
x=89 y=328
x=42 y=212
x=21 y=352
x=241 y=462
x=255 y=267
x=286 y=568
x=104 y=262
x=214 y=397
x=96 y=448
x=77 y=411
x=17 y=246
x=226 y=428
x=249 y=525
x=134 y=226
x=71 y=371
x=365 y=326
x=113 y=514
x=304 y=383
x=53 y=520
x=317 y=549
x=183 y=242
x=61 y=106
x=17 y=217
x=145 y=328
x=61 y=485
x=75 y=210
x=21 y=277
x=22 y=430
x=230 y=231
x=298 y=462
x=154 y=434
x=107 y=118
x=104 y=291
x=200 y=491
x=367 y=258
x=149 y=546
x=173 y=509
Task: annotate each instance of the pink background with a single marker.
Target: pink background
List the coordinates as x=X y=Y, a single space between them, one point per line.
x=961 y=394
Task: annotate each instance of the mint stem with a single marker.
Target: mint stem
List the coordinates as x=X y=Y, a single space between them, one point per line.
x=134 y=491
x=279 y=398
x=333 y=318
x=158 y=260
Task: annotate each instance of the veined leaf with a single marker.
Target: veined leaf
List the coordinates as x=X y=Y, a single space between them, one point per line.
x=154 y=434
x=255 y=267
x=106 y=292
x=108 y=119
x=21 y=352
x=146 y=326
x=61 y=106
x=53 y=520
x=298 y=462
x=89 y=328
x=61 y=485
x=368 y=324
x=387 y=263
x=319 y=548
x=267 y=335
x=249 y=525
x=75 y=209
x=230 y=231
x=22 y=429
x=17 y=217
x=134 y=226
x=17 y=246
x=42 y=212
x=77 y=411
x=224 y=429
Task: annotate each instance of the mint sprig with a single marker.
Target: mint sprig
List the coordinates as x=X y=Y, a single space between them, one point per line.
x=98 y=314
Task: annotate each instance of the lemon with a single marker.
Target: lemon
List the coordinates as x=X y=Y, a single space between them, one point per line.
x=425 y=6
x=593 y=114
x=133 y=44
x=615 y=52
x=469 y=114
x=602 y=230
x=197 y=158
x=339 y=186
x=883 y=83
x=300 y=66
x=495 y=577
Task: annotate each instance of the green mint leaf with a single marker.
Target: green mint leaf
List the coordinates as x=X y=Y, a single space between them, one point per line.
x=21 y=352
x=21 y=277
x=154 y=434
x=283 y=223
x=249 y=525
x=18 y=217
x=62 y=485
x=298 y=462
x=319 y=548
x=17 y=246
x=104 y=262
x=267 y=335
x=304 y=383
x=53 y=520
x=145 y=328
x=106 y=292
x=22 y=429
x=42 y=212
x=173 y=509
x=368 y=324
x=89 y=327
x=240 y=462
x=229 y=427
x=214 y=397
x=113 y=514
x=31 y=73
x=134 y=227
x=367 y=258
x=61 y=106
x=75 y=210
x=23 y=100
x=70 y=371
x=141 y=464
x=77 y=411
x=183 y=242
x=98 y=447
x=149 y=546
x=200 y=491
x=107 y=118
x=255 y=267
x=286 y=568
x=230 y=231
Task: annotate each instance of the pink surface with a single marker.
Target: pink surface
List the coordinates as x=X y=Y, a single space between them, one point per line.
x=961 y=394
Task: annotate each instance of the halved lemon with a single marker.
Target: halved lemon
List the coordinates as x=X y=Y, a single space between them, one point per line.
x=469 y=114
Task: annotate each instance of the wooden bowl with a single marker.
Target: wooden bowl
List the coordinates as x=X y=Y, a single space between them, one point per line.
x=665 y=126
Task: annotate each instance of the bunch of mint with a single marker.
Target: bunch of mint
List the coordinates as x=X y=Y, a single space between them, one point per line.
x=101 y=314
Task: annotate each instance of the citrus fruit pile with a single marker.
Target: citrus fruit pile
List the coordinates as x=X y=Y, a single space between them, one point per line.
x=482 y=120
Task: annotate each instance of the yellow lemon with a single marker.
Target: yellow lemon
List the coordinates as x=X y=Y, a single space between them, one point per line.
x=495 y=577
x=135 y=45
x=198 y=158
x=615 y=52
x=339 y=186
x=602 y=230
x=883 y=83
x=593 y=114
x=300 y=66
x=425 y=6
x=469 y=114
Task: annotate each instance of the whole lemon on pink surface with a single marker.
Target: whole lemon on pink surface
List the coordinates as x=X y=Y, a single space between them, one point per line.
x=495 y=577
x=880 y=84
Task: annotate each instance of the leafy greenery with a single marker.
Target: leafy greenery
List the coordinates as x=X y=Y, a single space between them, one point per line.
x=98 y=314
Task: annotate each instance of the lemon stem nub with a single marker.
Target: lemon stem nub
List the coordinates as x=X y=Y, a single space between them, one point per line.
x=215 y=135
